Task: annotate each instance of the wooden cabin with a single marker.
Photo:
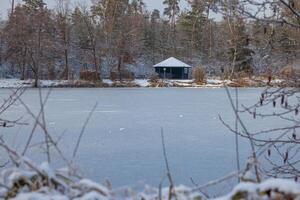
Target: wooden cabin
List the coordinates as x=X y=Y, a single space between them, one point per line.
x=173 y=68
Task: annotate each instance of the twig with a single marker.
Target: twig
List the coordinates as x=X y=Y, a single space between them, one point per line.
x=83 y=129
x=199 y=189
x=236 y=135
x=35 y=125
x=246 y=131
x=167 y=166
x=44 y=123
x=217 y=181
x=46 y=132
x=4 y=164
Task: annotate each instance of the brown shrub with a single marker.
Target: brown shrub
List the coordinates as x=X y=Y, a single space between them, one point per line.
x=241 y=82
x=154 y=78
x=290 y=72
x=243 y=74
x=89 y=75
x=198 y=75
x=113 y=75
x=125 y=74
x=226 y=75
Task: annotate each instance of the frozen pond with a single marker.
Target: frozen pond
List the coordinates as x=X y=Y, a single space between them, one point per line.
x=122 y=141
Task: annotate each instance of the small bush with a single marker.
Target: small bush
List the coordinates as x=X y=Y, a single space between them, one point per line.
x=113 y=75
x=154 y=78
x=198 y=75
x=125 y=74
x=290 y=72
x=243 y=74
x=89 y=75
x=226 y=75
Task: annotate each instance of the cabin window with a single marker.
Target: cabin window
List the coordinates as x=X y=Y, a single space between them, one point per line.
x=185 y=70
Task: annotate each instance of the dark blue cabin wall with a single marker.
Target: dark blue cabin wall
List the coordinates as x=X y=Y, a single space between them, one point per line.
x=173 y=72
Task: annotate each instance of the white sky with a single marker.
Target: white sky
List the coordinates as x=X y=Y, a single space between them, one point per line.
x=151 y=4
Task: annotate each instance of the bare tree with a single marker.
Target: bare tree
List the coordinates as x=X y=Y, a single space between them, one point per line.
x=12 y=6
x=64 y=28
x=88 y=31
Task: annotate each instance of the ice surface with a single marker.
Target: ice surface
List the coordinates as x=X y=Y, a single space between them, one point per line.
x=197 y=143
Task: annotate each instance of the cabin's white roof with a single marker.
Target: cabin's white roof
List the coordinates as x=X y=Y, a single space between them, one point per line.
x=172 y=62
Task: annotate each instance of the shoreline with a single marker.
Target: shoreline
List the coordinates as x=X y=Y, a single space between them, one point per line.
x=141 y=83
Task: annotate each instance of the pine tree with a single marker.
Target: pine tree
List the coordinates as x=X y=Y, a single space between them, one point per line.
x=241 y=52
x=152 y=38
x=172 y=10
x=34 y=4
x=192 y=25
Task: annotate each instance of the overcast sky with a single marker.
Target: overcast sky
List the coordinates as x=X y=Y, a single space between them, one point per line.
x=151 y=4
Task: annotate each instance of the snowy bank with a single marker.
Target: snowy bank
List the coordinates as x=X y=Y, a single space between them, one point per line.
x=16 y=83
x=210 y=83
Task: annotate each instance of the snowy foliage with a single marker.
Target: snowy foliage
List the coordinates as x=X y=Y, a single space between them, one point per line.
x=43 y=183
x=278 y=189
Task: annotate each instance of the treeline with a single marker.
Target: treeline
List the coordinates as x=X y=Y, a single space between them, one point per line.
x=120 y=38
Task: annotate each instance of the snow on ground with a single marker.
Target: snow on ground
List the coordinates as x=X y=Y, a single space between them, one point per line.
x=276 y=81
x=217 y=81
x=214 y=81
x=14 y=83
x=108 y=81
x=142 y=82
x=210 y=83
x=54 y=83
x=181 y=83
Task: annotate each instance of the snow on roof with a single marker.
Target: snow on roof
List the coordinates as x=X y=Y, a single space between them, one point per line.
x=172 y=62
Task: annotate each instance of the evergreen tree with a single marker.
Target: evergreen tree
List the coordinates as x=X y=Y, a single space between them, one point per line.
x=152 y=37
x=172 y=10
x=34 y=4
x=191 y=25
x=241 y=53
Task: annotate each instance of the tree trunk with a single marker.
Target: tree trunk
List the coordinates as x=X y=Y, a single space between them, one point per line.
x=23 y=76
x=12 y=6
x=96 y=64
x=22 y=72
x=66 y=72
x=36 y=80
x=35 y=70
x=120 y=64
